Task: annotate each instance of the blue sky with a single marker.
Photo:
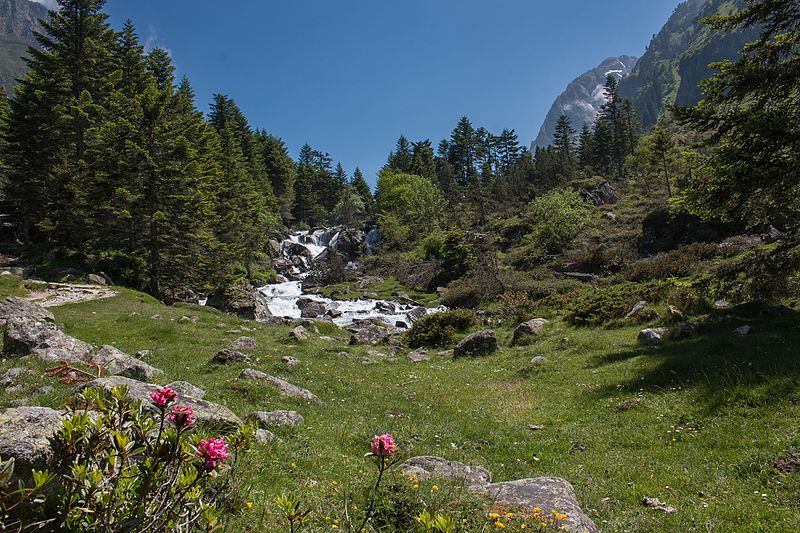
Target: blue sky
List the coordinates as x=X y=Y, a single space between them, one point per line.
x=350 y=76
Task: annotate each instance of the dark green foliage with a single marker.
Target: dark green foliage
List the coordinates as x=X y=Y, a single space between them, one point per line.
x=456 y=255
x=439 y=329
x=604 y=307
x=681 y=262
x=751 y=119
x=363 y=190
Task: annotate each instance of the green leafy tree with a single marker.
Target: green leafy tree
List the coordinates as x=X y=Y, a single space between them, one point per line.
x=410 y=201
x=556 y=217
x=349 y=208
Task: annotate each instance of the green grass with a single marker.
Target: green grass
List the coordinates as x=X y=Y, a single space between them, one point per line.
x=715 y=411
x=12 y=286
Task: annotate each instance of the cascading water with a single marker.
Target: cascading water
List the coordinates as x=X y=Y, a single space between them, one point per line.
x=298 y=253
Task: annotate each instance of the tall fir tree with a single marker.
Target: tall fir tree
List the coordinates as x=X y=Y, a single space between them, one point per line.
x=402 y=157
x=364 y=191
x=281 y=171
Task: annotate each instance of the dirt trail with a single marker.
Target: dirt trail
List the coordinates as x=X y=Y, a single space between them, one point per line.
x=69 y=293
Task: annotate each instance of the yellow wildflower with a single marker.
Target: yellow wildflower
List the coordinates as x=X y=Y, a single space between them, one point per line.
x=249 y=505
x=435 y=488
x=494 y=516
x=509 y=515
x=500 y=525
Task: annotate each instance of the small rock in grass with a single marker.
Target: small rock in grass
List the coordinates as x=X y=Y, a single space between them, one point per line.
x=299 y=334
x=535 y=427
x=12 y=375
x=539 y=360
x=290 y=361
x=629 y=404
x=655 y=503
x=419 y=356
x=244 y=343
x=650 y=337
x=445 y=353
x=286 y=389
x=264 y=436
x=226 y=357
x=744 y=330
x=343 y=355
x=366 y=361
x=529 y=328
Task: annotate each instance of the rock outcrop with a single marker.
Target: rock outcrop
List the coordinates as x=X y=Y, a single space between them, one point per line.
x=25 y=435
x=243 y=301
x=21 y=308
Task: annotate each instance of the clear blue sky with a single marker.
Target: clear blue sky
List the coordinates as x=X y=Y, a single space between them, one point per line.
x=350 y=76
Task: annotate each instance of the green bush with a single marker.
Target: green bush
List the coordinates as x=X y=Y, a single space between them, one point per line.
x=556 y=217
x=125 y=468
x=602 y=307
x=684 y=261
x=439 y=329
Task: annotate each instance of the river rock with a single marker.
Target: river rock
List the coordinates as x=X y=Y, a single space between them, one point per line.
x=184 y=388
x=244 y=343
x=429 y=467
x=531 y=327
x=547 y=493
x=277 y=419
x=206 y=412
x=286 y=389
x=118 y=363
x=311 y=308
x=226 y=357
x=477 y=344
x=243 y=301
x=21 y=308
x=368 y=334
x=25 y=435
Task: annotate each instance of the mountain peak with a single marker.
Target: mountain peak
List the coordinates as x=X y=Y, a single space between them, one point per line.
x=583 y=97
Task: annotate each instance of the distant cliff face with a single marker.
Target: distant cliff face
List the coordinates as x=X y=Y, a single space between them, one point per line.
x=582 y=99
x=677 y=59
x=18 y=20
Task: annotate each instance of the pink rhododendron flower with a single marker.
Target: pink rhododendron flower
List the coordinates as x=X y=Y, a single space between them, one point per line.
x=384 y=445
x=182 y=416
x=214 y=451
x=163 y=396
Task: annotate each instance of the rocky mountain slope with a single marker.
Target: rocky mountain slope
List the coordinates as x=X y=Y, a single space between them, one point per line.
x=19 y=19
x=583 y=97
x=677 y=59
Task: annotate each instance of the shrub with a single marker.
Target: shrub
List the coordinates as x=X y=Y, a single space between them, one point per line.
x=598 y=307
x=557 y=216
x=126 y=469
x=681 y=262
x=439 y=329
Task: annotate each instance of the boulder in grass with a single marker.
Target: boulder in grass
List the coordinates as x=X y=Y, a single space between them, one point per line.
x=651 y=337
x=243 y=301
x=277 y=419
x=184 y=388
x=244 y=343
x=529 y=328
x=206 y=412
x=227 y=357
x=28 y=337
x=477 y=344
x=284 y=387
x=25 y=434
x=299 y=334
x=546 y=493
x=21 y=308
x=118 y=363
x=431 y=467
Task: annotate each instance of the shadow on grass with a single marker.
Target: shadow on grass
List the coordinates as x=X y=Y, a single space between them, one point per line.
x=755 y=370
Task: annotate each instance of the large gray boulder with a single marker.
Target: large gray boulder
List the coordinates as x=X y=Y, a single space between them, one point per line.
x=243 y=301
x=529 y=328
x=284 y=387
x=477 y=344
x=206 y=412
x=310 y=308
x=118 y=363
x=184 y=388
x=227 y=357
x=25 y=435
x=369 y=332
x=430 y=467
x=546 y=493
x=277 y=419
x=21 y=308
x=28 y=337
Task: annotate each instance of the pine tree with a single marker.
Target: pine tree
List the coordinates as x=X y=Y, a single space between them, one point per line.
x=462 y=153
x=132 y=64
x=563 y=144
x=402 y=157
x=281 y=171
x=424 y=162
x=54 y=115
x=159 y=65
x=663 y=145
x=750 y=117
x=585 y=148
x=364 y=191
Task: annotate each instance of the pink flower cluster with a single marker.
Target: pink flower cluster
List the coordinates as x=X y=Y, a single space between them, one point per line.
x=383 y=445
x=163 y=396
x=182 y=416
x=214 y=451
